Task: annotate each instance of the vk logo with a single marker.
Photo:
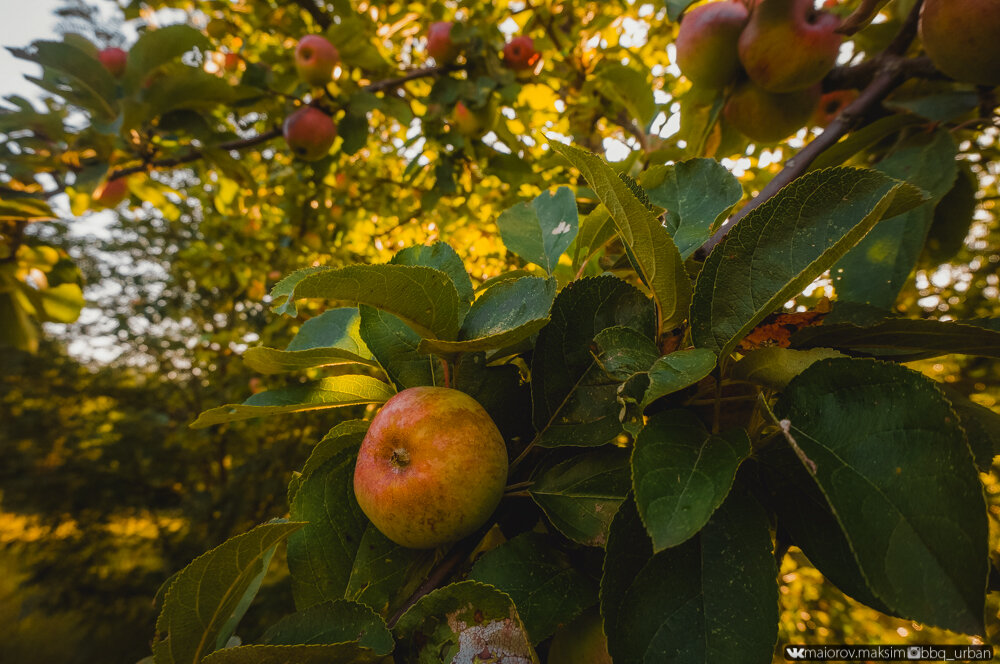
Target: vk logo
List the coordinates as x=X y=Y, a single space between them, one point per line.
x=795 y=653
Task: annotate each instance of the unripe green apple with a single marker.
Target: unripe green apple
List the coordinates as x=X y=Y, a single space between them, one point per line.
x=114 y=60
x=439 y=43
x=310 y=133
x=768 y=117
x=707 y=43
x=432 y=467
x=472 y=123
x=580 y=642
x=787 y=45
x=961 y=38
x=110 y=193
x=519 y=54
x=315 y=58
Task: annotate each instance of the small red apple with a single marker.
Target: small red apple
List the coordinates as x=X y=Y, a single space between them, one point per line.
x=310 y=133
x=519 y=54
x=468 y=123
x=706 y=43
x=114 y=60
x=110 y=193
x=231 y=62
x=439 y=43
x=315 y=58
x=432 y=467
x=831 y=105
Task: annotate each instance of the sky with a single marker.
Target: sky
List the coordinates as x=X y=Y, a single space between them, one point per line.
x=23 y=22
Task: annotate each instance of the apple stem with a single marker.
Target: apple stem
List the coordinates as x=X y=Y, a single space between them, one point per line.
x=447 y=375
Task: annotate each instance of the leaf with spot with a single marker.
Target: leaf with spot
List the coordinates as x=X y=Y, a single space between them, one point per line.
x=783 y=245
x=541 y=579
x=465 y=620
x=542 y=230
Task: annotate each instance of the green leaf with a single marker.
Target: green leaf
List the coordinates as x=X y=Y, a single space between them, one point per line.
x=333 y=622
x=783 y=245
x=672 y=373
x=953 y=216
x=775 y=367
x=573 y=399
x=876 y=270
x=183 y=87
x=697 y=195
x=25 y=209
x=330 y=339
x=504 y=314
x=424 y=298
x=158 y=47
x=321 y=555
x=900 y=479
x=711 y=599
x=326 y=393
x=385 y=574
x=903 y=340
x=346 y=435
x=862 y=139
x=580 y=495
x=657 y=259
x=596 y=230
x=681 y=473
x=623 y=352
x=627 y=87
x=395 y=346
x=542 y=230
x=439 y=256
x=500 y=390
x=282 y=291
x=341 y=653
x=205 y=594
x=466 y=620
x=543 y=582
x=805 y=516
x=87 y=75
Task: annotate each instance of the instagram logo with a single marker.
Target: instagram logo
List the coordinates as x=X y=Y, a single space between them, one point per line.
x=913 y=652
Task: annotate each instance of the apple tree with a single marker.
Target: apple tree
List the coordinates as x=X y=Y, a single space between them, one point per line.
x=698 y=356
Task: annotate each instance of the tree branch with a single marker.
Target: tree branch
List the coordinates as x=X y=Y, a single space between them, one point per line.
x=243 y=143
x=890 y=71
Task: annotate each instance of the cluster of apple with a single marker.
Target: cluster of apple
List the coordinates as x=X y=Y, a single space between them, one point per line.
x=309 y=131
x=774 y=56
x=519 y=55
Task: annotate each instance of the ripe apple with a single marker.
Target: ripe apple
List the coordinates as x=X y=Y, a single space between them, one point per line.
x=519 y=54
x=231 y=62
x=432 y=467
x=315 y=58
x=831 y=105
x=582 y=641
x=960 y=37
x=110 y=193
x=310 y=133
x=787 y=45
x=439 y=44
x=114 y=60
x=706 y=43
x=768 y=117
